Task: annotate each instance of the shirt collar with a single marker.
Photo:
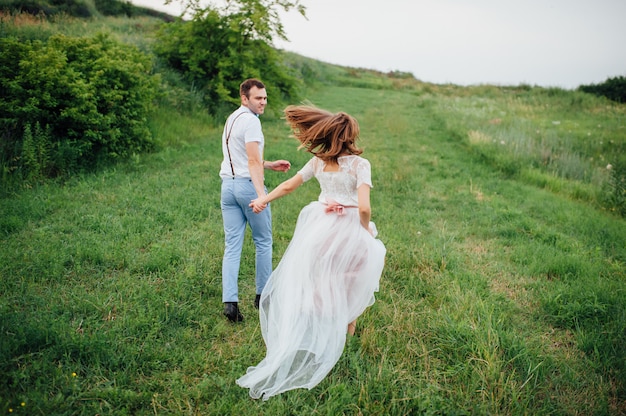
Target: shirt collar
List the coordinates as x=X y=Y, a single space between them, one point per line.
x=245 y=109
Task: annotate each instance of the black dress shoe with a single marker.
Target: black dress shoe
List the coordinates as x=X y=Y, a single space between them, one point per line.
x=257 y=299
x=231 y=311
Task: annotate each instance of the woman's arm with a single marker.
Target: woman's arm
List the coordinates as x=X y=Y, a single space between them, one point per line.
x=365 y=211
x=281 y=190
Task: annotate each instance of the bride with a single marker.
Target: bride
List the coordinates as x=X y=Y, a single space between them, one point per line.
x=332 y=266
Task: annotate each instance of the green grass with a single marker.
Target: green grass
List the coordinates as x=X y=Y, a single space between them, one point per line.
x=503 y=291
x=498 y=297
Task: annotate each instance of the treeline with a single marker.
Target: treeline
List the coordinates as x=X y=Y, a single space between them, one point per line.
x=613 y=88
x=80 y=8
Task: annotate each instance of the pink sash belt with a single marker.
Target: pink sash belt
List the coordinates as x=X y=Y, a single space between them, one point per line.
x=336 y=207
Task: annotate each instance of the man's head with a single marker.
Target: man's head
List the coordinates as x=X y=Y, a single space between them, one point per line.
x=253 y=95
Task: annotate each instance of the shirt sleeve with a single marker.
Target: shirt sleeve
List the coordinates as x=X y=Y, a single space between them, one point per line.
x=308 y=170
x=363 y=173
x=253 y=131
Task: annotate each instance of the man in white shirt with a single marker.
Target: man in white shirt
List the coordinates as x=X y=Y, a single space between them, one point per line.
x=242 y=181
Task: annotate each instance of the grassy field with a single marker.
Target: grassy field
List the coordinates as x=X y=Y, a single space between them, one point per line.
x=504 y=290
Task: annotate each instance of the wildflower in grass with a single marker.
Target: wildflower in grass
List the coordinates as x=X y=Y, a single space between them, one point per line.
x=73 y=374
x=609 y=167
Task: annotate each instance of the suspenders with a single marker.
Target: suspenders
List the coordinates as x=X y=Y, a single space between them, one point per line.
x=232 y=168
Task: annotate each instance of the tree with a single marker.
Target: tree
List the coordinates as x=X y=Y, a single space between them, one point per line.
x=220 y=47
x=257 y=19
x=613 y=88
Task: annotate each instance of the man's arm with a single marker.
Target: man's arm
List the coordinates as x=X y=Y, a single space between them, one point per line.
x=255 y=165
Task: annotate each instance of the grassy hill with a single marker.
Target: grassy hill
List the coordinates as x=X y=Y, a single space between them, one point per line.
x=81 y=8
x=503 y=291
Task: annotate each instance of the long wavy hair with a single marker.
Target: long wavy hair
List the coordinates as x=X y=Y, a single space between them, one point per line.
x=322 y=133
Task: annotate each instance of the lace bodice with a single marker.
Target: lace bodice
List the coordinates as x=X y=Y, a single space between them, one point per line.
x=340 y=186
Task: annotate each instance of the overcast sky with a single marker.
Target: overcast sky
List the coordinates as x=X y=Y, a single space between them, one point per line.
x=560 y=43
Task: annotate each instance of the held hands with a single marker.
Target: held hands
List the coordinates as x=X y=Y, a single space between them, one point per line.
x=257 y=206
x=278 y=165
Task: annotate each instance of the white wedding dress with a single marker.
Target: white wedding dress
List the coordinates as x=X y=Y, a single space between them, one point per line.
x=326 y=279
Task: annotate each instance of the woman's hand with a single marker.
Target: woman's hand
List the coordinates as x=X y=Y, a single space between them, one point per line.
x=371 y=227
x=257 y=205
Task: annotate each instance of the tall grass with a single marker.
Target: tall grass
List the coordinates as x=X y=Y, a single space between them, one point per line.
x=500 y=294
x=548 y=138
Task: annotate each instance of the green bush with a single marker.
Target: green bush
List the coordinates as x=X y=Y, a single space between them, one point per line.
x=613 y=88
x=214 y=54
x=36 y=151
x=114 y=7
x=89 y=97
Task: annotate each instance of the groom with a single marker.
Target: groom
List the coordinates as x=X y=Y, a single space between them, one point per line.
x=243 y=181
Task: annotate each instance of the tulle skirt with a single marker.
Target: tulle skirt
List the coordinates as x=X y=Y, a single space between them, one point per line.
x=325 y=280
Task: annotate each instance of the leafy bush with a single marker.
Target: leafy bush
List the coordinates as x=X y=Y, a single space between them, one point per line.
x=70 y=103
x=36 y=151
x=126 y=8
x=114 y=7
x=613 y=88
x=215 y=54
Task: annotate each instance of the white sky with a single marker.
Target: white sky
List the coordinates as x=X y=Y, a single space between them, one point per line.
x=560 y=43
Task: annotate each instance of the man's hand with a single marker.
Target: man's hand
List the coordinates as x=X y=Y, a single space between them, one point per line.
x=278 y=165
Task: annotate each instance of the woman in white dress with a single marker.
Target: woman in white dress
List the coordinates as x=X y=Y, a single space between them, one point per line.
x=332 y=266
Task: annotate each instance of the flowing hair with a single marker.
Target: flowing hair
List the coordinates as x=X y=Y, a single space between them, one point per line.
x=322 y=133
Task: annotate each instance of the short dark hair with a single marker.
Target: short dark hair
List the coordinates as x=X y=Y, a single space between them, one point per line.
x=246 y=86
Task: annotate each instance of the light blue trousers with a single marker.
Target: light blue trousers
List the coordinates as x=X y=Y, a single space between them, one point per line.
x=236 y=195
